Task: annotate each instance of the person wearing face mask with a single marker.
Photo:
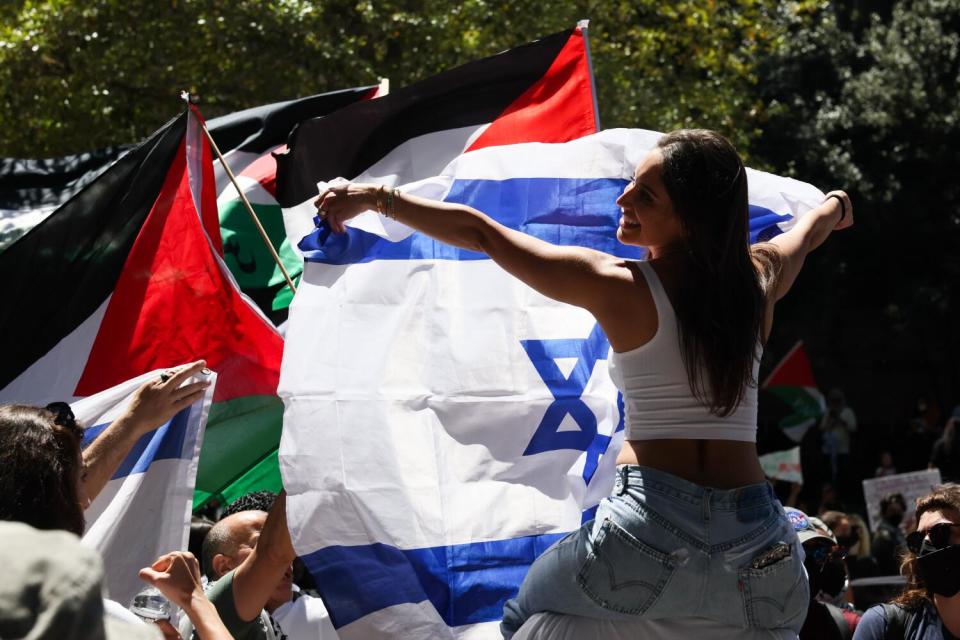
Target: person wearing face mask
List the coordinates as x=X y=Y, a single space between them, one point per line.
x=851 y=534
x=929 y=607
x=888 y=540
x=828 y=575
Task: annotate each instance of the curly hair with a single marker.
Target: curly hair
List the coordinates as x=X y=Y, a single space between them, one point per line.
x=40 y=469
x=916 y=594
x=253 y=501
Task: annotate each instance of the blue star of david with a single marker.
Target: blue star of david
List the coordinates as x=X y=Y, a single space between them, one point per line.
x=567 y=397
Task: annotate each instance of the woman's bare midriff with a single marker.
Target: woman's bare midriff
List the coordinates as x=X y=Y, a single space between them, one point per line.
x=721 y=464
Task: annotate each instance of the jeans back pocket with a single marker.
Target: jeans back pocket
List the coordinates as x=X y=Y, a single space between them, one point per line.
x=775 y=595
x=624 y=574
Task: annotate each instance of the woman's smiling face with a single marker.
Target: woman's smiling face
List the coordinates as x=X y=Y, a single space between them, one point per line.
x=648 y=218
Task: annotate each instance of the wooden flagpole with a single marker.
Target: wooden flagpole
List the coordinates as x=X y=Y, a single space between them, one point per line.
x=246 y=203
x=253 y=216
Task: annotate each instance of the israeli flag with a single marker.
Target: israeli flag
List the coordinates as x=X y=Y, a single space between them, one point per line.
x=144 y=510
x=445 y=423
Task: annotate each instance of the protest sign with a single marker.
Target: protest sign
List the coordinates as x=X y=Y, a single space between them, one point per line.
x=783 y=465
x=910 y=485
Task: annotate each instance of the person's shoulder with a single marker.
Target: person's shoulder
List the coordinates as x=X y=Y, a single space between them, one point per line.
x=221 y=585
x=873 y=624
x=220 y=593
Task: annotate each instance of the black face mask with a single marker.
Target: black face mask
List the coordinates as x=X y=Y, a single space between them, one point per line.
x=848 y=541
x=894 y=518
x=940 y=569
x=833 y=577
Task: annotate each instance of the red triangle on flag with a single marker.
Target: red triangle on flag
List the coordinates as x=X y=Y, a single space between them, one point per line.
x=264 y=170
x=557 y=108
x=793 y=371
x=175 y=302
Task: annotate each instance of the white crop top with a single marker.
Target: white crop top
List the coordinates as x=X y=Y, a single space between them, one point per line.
x=656 y=393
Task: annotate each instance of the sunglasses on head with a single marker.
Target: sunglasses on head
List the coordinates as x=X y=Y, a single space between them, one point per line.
x=939 y=535
x=63 y=415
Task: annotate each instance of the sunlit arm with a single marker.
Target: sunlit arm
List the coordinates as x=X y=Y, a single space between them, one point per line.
x=574 y=275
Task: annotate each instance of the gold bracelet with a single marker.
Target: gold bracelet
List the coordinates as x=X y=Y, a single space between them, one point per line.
x=391 y=212
x=379 y=199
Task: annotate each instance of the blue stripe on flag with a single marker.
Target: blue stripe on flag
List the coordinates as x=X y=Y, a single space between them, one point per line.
x=165 y=443
x=466 y=583
x=563 y=211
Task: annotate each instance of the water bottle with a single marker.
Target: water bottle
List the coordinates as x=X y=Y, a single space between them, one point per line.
x=150 y=604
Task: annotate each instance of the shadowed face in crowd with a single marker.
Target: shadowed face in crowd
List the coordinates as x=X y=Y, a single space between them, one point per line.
x=237 y=536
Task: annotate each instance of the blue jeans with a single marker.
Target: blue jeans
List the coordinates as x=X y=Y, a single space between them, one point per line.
x=663 y=547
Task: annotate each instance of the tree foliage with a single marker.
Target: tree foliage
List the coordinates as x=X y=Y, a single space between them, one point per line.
x=871 y=102
x=83 y=74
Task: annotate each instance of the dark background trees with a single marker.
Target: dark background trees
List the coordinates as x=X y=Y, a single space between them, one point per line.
x=870 y=101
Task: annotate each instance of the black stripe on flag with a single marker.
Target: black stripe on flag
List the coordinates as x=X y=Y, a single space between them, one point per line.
x=262 y=128
x=348 y=142
x=62 y=270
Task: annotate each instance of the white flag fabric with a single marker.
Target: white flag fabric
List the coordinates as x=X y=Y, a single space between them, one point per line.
x=144 y=510
x=444 y=423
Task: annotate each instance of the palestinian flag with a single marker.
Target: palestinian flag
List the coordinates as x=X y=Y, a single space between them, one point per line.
x=126 y=278
x=792 y=381
x=539 y=92
x=248 y=140
x=30 y=190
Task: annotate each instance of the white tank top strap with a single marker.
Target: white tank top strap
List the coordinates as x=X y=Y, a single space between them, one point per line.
x=659 y=294
x=666 y=319
x=657 y=398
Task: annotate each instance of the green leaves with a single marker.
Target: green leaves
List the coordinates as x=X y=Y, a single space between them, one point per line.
x=79 y=75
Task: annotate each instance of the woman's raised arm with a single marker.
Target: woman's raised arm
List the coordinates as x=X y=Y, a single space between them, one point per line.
x=575 y=275
x=836 y=212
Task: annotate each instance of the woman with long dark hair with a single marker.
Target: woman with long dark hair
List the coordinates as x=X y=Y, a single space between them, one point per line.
x=41 y=468
x=929 y=607
x=692 y=528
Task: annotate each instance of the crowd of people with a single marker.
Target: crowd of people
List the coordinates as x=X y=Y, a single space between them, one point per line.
x=693 y=535
x=837 y=457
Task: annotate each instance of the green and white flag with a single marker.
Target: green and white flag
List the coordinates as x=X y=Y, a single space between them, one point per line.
x=792 y=381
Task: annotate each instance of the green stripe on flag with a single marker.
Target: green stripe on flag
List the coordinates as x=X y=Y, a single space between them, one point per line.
x=806 y=402
x=239 y=452
x=265 y=475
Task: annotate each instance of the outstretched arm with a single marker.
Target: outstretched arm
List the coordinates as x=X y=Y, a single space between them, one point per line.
x=808 y=234
x=260 y=572
x=155 y=402
x=574 y=275
x=177 y=576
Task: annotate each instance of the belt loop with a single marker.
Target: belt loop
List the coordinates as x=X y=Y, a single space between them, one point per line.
x=622 y=471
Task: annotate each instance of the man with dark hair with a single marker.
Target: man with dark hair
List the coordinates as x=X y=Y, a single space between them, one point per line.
x=253 y=501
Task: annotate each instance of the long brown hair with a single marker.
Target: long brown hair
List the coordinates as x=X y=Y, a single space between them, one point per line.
x=915 y=593
x=39 y=469
x=721 y=303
